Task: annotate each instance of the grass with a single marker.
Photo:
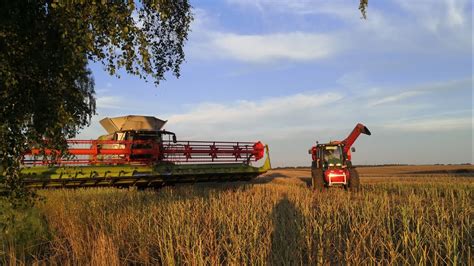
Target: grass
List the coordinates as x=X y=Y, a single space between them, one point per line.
x=275 y=220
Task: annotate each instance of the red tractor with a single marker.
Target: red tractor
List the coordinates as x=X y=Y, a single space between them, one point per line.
x=332 y=165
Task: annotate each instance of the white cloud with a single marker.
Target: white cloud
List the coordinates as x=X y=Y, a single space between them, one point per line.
x=433 y=14
x=354 y=80
x=279 y=118
x=339 y=8
x=456 y=15
x=411 y=26
x=295 y=46
x=438 y=15
x=242 y=112
x=432 y=124
x=109 y=102
x=207 y=41
x=451 y=85
x=201 y=20
x=395 y=98
x=382 y=32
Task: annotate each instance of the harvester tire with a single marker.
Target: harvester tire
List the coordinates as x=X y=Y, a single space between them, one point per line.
x=317 y=180
x=354 y=181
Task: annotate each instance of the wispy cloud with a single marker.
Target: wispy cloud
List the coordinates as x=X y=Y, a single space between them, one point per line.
x=381 y=33
x=395 y=98
x=291 y=123
x=412 y=23
x=274 y=111
x=423 y=89
x=281 y=116
x=433 y=15
x=431 y=124
x=208 y=42
x=339 y=8
x=438 y=15
x=109 y=102
x=294 y=46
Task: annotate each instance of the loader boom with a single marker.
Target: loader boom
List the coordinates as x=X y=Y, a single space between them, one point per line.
x=359 y=129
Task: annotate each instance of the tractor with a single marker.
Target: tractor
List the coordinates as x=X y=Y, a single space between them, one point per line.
x=331 y=162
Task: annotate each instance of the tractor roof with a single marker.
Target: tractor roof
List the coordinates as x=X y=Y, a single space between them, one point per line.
x=132 y=122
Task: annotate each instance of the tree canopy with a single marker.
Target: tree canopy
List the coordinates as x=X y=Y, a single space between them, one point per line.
x=47 y=90
x=363 y=8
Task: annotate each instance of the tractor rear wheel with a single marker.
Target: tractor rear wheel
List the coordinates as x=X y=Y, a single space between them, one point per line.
x=354 y=181
x=317 y=178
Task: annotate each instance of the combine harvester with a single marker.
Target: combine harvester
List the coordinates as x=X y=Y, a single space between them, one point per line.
x=332 y=164
x=137 y=152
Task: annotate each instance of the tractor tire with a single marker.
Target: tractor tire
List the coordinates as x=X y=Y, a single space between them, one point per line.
x=354 y=181
x=317 y=179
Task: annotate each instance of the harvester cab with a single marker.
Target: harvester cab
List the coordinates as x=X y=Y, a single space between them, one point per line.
x=133 y=127
x=331 y=162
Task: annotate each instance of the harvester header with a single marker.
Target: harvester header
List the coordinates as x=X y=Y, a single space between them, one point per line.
x=137 y=152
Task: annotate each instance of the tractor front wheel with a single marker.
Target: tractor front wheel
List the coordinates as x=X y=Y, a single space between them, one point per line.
x=317 y=178
x=354 y=181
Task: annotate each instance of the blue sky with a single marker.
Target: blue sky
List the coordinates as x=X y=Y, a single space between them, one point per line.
x=289 y=73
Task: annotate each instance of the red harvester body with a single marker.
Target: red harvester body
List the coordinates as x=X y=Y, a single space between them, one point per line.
x=138 y=152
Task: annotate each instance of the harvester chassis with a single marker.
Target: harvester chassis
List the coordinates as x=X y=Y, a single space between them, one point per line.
x=140 y=176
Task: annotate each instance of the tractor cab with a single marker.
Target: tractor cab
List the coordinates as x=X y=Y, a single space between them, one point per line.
x=329 y=156
x=332 y=156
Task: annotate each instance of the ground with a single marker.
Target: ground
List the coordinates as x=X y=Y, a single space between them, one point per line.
x=402 y=215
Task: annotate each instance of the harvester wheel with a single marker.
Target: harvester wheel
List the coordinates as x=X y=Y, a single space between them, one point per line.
x=317 y=179
x=354 y=181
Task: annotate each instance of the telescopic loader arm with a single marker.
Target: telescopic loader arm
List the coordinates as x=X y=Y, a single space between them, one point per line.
x=359 y=129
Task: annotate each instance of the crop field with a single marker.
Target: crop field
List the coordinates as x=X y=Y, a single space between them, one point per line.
x=402 y=215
